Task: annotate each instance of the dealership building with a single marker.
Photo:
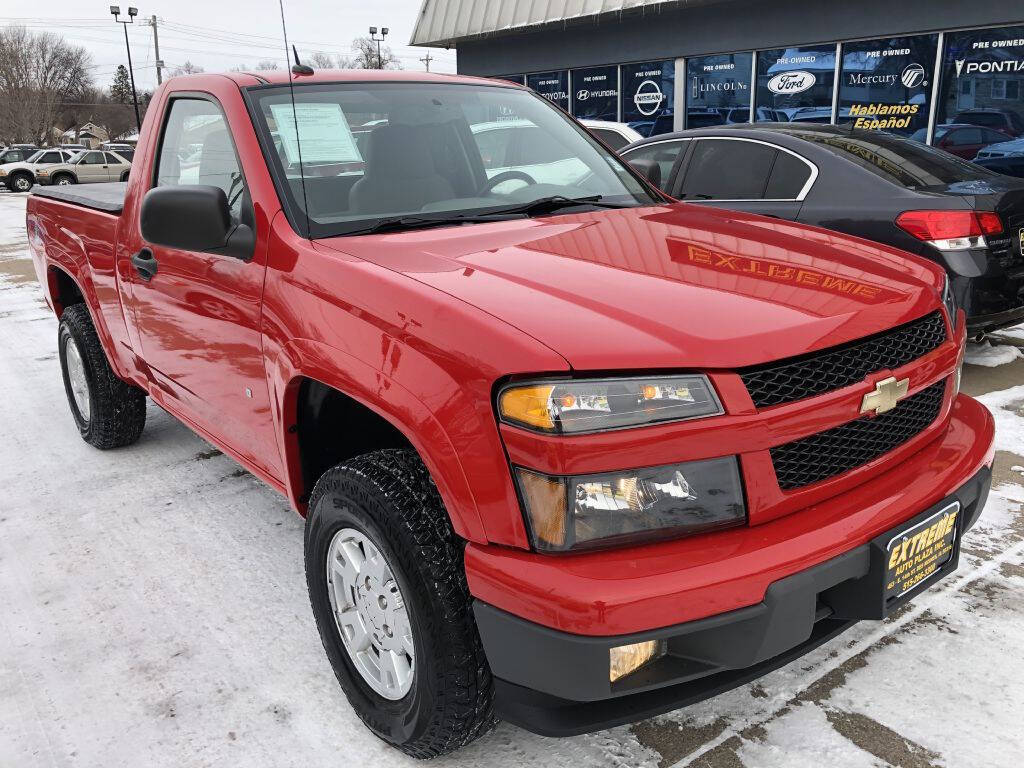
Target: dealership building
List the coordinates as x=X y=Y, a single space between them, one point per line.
x=908 y=66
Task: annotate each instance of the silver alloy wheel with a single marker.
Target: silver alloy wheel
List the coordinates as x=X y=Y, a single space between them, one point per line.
x=370 y=613
x=22 y=184
x=76 y=378
x=64 y=180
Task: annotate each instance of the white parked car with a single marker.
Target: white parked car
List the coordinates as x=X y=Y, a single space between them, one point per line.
x=20 y=176
x=615 y=135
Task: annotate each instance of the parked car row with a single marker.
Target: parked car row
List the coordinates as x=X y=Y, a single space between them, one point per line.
x=23 y=166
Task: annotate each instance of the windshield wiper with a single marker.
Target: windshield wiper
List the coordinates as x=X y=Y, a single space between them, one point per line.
x=402 y=223
x=532 y=208
x=557 y=202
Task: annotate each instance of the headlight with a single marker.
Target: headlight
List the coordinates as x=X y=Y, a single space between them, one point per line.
x=574 y=407
x=949 y=300
x=584 y=511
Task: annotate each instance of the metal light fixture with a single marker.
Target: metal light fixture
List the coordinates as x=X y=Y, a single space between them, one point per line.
x=378 y=41
x=115 y=11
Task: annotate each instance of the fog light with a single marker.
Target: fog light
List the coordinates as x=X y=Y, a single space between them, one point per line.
x=627 y=659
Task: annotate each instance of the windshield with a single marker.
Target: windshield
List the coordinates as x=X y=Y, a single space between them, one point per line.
x=901 y=161
x=35 y=156
x=375 y=151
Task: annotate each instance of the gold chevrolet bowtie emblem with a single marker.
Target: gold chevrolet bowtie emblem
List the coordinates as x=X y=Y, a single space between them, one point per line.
x=887 y=393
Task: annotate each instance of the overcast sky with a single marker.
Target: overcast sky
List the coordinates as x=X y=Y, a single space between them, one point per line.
x=221 y=34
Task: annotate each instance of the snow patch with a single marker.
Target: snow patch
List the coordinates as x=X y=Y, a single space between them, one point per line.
x=1007 y=407
x=990 y=356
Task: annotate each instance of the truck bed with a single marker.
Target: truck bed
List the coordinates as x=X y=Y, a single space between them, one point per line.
x=108 y=197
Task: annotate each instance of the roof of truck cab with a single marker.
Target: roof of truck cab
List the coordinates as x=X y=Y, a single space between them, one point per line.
x=281 y=77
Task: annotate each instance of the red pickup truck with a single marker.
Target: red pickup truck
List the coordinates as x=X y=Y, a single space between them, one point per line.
x=570 y=453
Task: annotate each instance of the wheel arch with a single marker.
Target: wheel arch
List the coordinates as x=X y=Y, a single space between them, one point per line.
x=64 y=289
x=378 y=413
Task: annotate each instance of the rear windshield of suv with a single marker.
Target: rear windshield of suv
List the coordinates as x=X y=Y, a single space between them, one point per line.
x=904 y=162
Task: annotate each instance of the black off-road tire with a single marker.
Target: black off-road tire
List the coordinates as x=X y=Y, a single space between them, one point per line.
x=117 y=409
x=20 y=181
x=63 y=178
x=389 y=496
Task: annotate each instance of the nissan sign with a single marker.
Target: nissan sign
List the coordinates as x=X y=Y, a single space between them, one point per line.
x=791 y=82
x=648 y=97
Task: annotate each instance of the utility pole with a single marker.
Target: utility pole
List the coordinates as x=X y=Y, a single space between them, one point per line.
x=426 y=60
x=115 y=11
x=156 y=49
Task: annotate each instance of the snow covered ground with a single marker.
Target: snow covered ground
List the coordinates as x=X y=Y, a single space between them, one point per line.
x=153 y=613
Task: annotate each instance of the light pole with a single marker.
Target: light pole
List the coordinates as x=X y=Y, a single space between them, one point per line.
x=115 y=11
x=378 y=40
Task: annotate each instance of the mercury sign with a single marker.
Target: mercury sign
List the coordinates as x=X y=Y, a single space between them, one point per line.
x=791 y=82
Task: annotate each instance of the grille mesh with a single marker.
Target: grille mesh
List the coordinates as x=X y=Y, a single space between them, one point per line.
x=799 y=377
x=840 y=449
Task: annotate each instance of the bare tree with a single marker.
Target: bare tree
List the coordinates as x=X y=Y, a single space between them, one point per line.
x=39 y=73
x=366 y=55
x=265 y=64
x=188 y=68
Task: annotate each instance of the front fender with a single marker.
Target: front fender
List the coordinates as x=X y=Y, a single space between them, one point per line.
x=335 y=368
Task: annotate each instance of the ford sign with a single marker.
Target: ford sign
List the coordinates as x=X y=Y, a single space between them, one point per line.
x=791 y=82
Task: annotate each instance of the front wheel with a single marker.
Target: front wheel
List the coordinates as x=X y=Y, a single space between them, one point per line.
x=20 y=182
x=109 y=412
x=388 y=590
x=63 y=179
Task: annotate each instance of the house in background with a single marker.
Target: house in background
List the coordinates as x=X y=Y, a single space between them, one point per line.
x=89 y=134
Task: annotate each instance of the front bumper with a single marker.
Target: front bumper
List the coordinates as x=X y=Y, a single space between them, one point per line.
x=556 y=684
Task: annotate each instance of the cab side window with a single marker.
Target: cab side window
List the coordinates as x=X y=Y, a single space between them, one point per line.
x=196 y=148
x=724 y=169
x=111 y=159
x=93 y=158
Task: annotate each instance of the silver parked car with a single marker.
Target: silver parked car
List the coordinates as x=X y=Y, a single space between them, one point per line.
x=87 y=167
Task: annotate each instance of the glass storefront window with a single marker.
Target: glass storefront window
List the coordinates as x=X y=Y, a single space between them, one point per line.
x=795 y=84
x=595 y=93
x=981 y=94
x=648 y=96
x=886 y=84
x=718 y=89
x=553 y=86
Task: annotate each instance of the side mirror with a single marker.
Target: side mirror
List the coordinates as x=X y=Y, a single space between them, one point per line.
x=194 y=217
x=649 y=169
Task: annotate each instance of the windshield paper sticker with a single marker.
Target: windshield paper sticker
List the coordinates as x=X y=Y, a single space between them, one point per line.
x=324 y=132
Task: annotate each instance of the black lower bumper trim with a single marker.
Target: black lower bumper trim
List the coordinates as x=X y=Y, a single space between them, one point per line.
x=557 y=684
x=551 y=716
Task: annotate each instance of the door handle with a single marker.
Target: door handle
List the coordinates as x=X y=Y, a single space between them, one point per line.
x=145 y=264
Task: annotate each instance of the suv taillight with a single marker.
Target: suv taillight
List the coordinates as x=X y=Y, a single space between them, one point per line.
x=951 y=230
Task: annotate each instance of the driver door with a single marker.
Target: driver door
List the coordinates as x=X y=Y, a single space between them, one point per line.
x=199 y=314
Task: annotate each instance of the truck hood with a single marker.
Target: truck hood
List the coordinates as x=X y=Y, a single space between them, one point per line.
x=672 y=286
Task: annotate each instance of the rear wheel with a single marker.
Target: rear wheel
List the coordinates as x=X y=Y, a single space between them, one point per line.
x=388 y=589
x=109 y=412
x=19 y=182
